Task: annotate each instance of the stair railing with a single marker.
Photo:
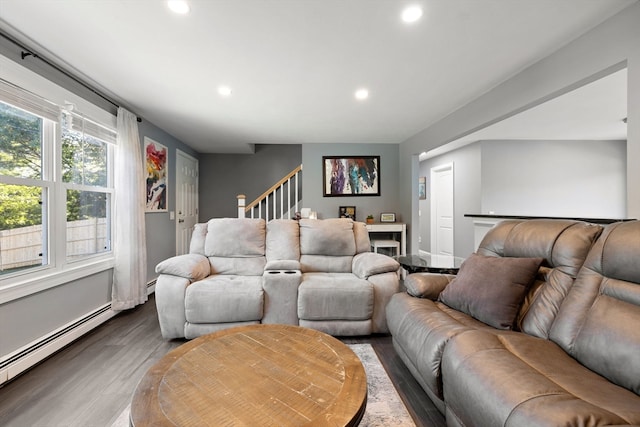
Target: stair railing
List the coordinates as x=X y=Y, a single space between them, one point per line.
x=283 y=190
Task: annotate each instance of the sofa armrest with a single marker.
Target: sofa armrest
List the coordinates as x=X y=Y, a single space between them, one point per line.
x=170 y=295
x=427 y=285
x=190 y=266
x=371 y=263
x=281 y=296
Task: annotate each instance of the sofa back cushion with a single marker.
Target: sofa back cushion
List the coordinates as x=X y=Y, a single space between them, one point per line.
x=283 y=240
x=361 y=234
x=236 y=246
x=198 y=237
x=327 y=245
x=563 y=244
x=598 y=322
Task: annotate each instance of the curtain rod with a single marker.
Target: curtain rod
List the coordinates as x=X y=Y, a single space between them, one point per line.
x=26 y=52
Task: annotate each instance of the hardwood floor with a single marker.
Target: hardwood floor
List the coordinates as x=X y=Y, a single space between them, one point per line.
x=90 y=382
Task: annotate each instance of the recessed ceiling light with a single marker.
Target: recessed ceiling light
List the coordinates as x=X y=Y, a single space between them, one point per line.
x=179 y=6
x=411 y=14
x=225 y=91
x=362 y=94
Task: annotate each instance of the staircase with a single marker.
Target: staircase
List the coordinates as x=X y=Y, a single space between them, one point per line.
x=280 y=201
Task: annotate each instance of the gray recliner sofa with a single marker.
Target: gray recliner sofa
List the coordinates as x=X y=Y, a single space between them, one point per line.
x=314 y=273
x=569 y=356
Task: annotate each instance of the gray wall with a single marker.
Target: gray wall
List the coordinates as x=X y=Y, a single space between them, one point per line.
x=585 y=179
x=224 y=176
x=327 y=207
x=466 y=196
x=27 y=319
x=161 y=231
x=532 y=178
x=606 y=48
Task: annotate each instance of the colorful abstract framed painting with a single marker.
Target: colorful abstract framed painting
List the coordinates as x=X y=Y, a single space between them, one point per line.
x=156 y=158
x=422 y=188
x=350 y=176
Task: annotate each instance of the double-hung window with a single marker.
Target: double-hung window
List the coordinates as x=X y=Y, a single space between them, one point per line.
x=56 y=185
x=86 y=179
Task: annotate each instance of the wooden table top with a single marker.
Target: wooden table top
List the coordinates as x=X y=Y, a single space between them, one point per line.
x=259 y=375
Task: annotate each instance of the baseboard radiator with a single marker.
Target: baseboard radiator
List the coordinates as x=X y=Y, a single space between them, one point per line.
x=35 y=352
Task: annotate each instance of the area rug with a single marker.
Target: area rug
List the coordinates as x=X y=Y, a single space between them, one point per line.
x=384 y=406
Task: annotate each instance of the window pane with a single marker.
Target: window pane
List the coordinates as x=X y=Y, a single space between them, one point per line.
x=22 y=239
x=20 y=143
x=84 y=159
x=88 y=231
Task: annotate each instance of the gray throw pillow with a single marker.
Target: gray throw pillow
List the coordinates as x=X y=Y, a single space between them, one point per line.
x=491 y=289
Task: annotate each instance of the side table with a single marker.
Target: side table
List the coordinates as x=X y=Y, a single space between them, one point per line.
x=431 y=263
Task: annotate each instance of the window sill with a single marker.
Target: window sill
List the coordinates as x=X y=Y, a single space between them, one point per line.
x=35 y=282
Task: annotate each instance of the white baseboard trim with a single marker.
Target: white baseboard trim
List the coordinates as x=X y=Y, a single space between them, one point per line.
x=151 y=287
x=35 y=352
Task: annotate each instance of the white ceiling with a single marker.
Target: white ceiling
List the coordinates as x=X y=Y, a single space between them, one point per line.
x=294 y=65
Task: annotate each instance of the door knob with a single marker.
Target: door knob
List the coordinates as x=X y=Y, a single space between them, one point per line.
x=181 y=220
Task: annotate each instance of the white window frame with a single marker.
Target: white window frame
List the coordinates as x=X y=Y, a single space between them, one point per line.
x=58 y=271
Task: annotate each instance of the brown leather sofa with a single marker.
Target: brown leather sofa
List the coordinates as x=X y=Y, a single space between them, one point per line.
x=570 y=356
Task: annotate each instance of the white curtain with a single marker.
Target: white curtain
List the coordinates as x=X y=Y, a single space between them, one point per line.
x=129 y=277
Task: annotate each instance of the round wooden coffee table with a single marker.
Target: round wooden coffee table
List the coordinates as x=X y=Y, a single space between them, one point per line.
x=259 y=375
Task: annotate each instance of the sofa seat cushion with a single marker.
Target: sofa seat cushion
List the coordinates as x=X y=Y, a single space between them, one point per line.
x=340 y=328
x=421 y=329
x=334 y=296
x=248 y=266
x=326 y=263
x=512 y=379
x=219 y=299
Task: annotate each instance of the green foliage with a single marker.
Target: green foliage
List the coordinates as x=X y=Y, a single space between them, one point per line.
x=83 y=162
x=19 y=206
x=20 y=147
x=85 y=205
x=83 y=159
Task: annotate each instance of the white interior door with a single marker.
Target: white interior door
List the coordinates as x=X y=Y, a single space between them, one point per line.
x=442 y=210
x=186 y=200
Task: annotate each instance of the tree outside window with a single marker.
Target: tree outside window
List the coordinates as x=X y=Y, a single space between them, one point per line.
x=26 y=186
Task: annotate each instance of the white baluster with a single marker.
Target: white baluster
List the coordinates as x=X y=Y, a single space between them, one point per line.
x=289 y=198
x=242 y=199
x=296 y=198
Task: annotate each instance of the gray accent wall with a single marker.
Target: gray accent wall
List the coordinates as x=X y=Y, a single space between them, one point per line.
x=327 y=207
x=224 y=176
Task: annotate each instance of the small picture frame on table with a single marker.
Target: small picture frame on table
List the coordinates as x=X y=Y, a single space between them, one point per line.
x=387 y=217
x=347 y=212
